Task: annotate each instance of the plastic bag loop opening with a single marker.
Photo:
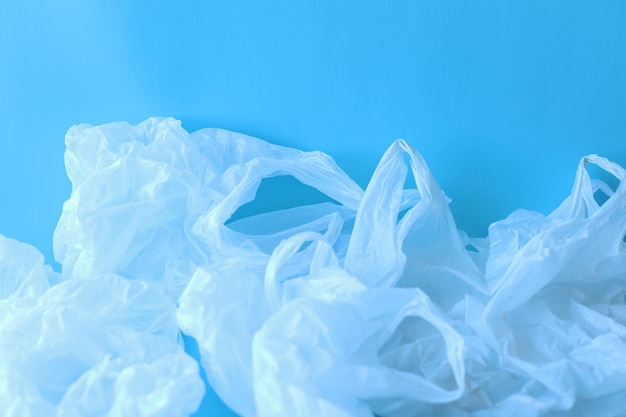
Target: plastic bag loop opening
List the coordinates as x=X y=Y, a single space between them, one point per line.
x=410 y=385
x=314 y=169
x=584 y=204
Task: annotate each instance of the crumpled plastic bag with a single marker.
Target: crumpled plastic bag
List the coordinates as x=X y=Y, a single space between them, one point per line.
x=89 y=347
x=238 y=264
x=372 y=304
x=143 y=197
x=555 y=316
x=239 y=261
x=338 y=348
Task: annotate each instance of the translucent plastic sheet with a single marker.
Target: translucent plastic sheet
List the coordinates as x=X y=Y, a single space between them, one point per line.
x=373 y=304
x=105 y=346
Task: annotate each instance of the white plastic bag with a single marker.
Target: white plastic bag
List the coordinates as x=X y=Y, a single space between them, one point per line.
x=89 y=347
x=554 y=317
x=374 y=304
x=426 y=235
x=22 y=271
x=339 y=348
x=134 y=188
x=137 y=191
x=354 y=346
x=223 y=305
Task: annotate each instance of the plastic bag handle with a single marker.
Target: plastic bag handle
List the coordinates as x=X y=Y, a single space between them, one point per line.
x=379 y=210
x=314 y=169
x=324 y=256
x=403 y=384
x=582 y=203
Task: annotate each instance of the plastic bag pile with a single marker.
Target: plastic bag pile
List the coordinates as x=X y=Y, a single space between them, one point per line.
x=373 y=304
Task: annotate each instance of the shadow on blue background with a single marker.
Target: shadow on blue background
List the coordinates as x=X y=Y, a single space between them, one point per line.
x=501 y=98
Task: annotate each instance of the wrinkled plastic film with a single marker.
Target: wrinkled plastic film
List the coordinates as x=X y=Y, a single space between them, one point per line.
x=336 y=309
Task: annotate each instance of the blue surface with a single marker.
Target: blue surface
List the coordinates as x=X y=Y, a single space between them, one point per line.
x=501 y=98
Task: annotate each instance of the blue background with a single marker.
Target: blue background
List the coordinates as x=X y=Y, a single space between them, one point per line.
x=501 y=97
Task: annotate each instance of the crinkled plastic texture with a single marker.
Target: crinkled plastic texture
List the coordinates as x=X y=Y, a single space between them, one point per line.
x=23 y=273
x=373 y=303
x=98 y=347
x=339 y=348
